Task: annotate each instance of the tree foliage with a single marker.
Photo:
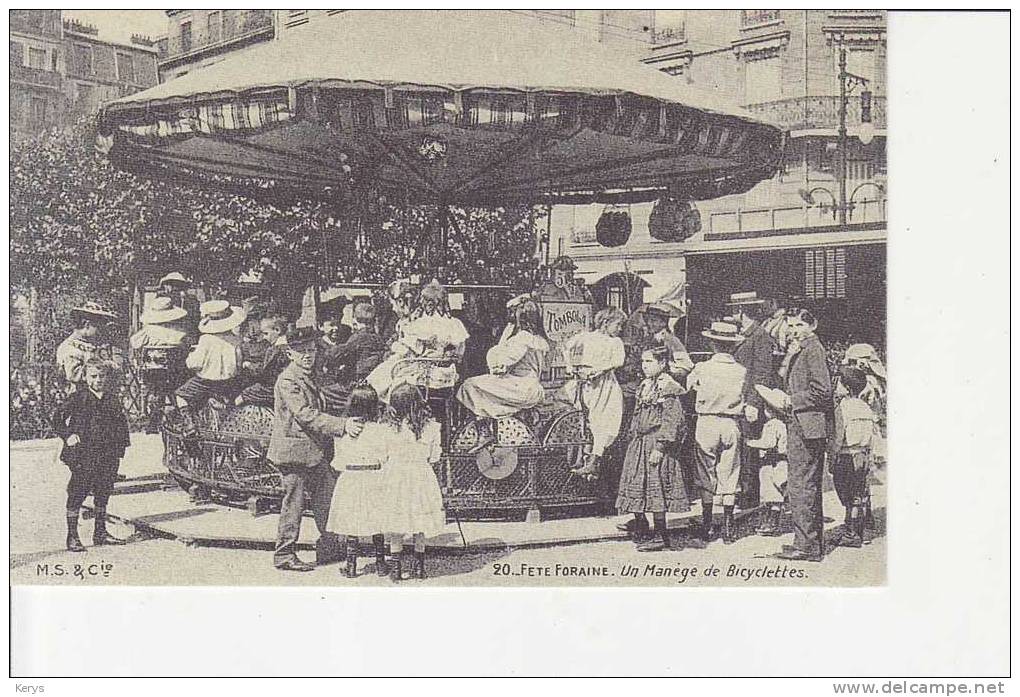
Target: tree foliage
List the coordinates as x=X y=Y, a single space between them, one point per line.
x=79 y=224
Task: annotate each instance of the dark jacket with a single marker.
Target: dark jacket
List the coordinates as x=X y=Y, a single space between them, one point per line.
x=353 y=360
x=810 y=388
x=100 y=424
x=302 y=432
x=757 y=354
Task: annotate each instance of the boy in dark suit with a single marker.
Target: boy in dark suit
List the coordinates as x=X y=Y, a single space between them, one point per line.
x=94 y=429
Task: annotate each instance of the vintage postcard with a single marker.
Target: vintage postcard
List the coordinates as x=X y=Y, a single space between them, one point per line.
x=448 y=298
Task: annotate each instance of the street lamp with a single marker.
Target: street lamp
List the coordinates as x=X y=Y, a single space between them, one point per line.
x=809 y=198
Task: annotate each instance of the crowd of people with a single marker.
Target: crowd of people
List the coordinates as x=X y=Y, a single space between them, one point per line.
x=359 y=406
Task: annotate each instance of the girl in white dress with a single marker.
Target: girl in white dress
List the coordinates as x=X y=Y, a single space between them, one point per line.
x=358 y=507
x=428 y=348
x=592 y=357
x=515 y=369
x=414 y=501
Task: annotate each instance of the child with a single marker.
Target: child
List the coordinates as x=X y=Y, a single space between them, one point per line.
x=342 y=366
x=358 y=506
x=94 y=429
x=850 y=454
x=652 y=481
x=774 y=467
x=592 y=360
x=719 y=384
x=84 y=343
x=414 y=503
x=260 y=392
x=214 y=360
x=161 y=344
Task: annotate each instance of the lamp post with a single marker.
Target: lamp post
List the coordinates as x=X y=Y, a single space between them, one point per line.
x=847 y=81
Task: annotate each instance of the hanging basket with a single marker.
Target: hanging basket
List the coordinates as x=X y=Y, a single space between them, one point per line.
x=673 y=220
x=614 y=226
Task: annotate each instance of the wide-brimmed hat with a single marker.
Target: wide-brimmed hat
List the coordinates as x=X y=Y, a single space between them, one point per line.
x=777 y=400
x=301 y=339
x=220 y=317
x=723 y=331
x=660 y=310
x=175 y=277
x=865 y=353
x=94 y=310
x=748 y=298
x=161 y=311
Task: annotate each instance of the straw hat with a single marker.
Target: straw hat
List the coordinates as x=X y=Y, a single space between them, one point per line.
x=220 y=317
x=865 y=353
x=777 y=400
x=660 y=310
x=161 y=311
x=723 y=331
x=94 y=311
x=750 y=298
x=175 y=278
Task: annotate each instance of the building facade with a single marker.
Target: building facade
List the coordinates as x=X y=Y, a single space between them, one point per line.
x=61 y=69
x=784 y=238
x=197 y=38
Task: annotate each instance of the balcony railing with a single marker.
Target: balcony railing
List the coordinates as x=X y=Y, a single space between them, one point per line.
x=754 y=18
x=733 y=222
x=35 y=76
x=817 y=112
x=669 y=34
x=245 y=25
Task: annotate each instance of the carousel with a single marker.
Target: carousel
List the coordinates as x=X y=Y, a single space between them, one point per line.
x=447 y=109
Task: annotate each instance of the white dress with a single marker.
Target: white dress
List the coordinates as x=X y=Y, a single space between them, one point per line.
x=423 y=337
x=363 y=487
x=414 y=503
x=495 y=396
x=600 y=396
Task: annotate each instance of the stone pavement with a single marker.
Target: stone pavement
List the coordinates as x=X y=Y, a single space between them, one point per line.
x=158 y=509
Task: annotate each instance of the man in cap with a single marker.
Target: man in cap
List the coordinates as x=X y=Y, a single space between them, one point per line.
x=85 y=342
x=301 y=447
x=719 y=384
x=756 y=352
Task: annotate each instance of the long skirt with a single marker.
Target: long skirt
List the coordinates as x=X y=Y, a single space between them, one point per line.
x=497 y=396
x=647 y=488
x=602 y=400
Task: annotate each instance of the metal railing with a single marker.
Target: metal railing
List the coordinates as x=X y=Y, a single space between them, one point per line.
x=35 y=76
x=817 y=112
x=233 y=28
x=754 y=18
x=670 y=34
x=774 y=219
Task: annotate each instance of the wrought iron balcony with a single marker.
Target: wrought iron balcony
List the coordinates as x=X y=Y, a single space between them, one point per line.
x=246 y=25
x=35 y=76
x=754 y=18
x=776 y=219
x=817 y=112
x=672 y=34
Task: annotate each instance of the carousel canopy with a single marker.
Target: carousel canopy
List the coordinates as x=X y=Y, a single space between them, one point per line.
x=458 y=107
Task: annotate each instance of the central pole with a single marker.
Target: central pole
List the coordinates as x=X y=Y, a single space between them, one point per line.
x=841 y=173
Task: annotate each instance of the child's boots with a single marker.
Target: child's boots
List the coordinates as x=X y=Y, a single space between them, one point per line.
x=351 y=557
x=100 y=535
x=418 y=571
x=659 y=540
x=729 y=526
x=379 y=545
x=73 y=541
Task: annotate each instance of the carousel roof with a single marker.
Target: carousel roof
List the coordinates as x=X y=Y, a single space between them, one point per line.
x=444 y=106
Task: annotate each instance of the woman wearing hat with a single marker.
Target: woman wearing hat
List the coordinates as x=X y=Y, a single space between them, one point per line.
x=215 y=359
x=84 y=342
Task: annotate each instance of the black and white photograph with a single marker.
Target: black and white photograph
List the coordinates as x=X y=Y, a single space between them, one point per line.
x=519 y=298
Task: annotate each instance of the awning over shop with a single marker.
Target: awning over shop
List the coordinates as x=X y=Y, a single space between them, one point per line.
x=452 y=107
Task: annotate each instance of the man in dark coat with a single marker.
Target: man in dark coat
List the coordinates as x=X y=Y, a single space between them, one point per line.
x=809 y=422
x=94 y=429
x=342 y=366
x=301 y=447
x=757 y=354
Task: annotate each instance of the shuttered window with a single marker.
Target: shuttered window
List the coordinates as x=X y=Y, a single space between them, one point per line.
x=825 y=273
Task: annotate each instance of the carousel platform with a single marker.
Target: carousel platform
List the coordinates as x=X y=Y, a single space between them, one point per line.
x=150 y=500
